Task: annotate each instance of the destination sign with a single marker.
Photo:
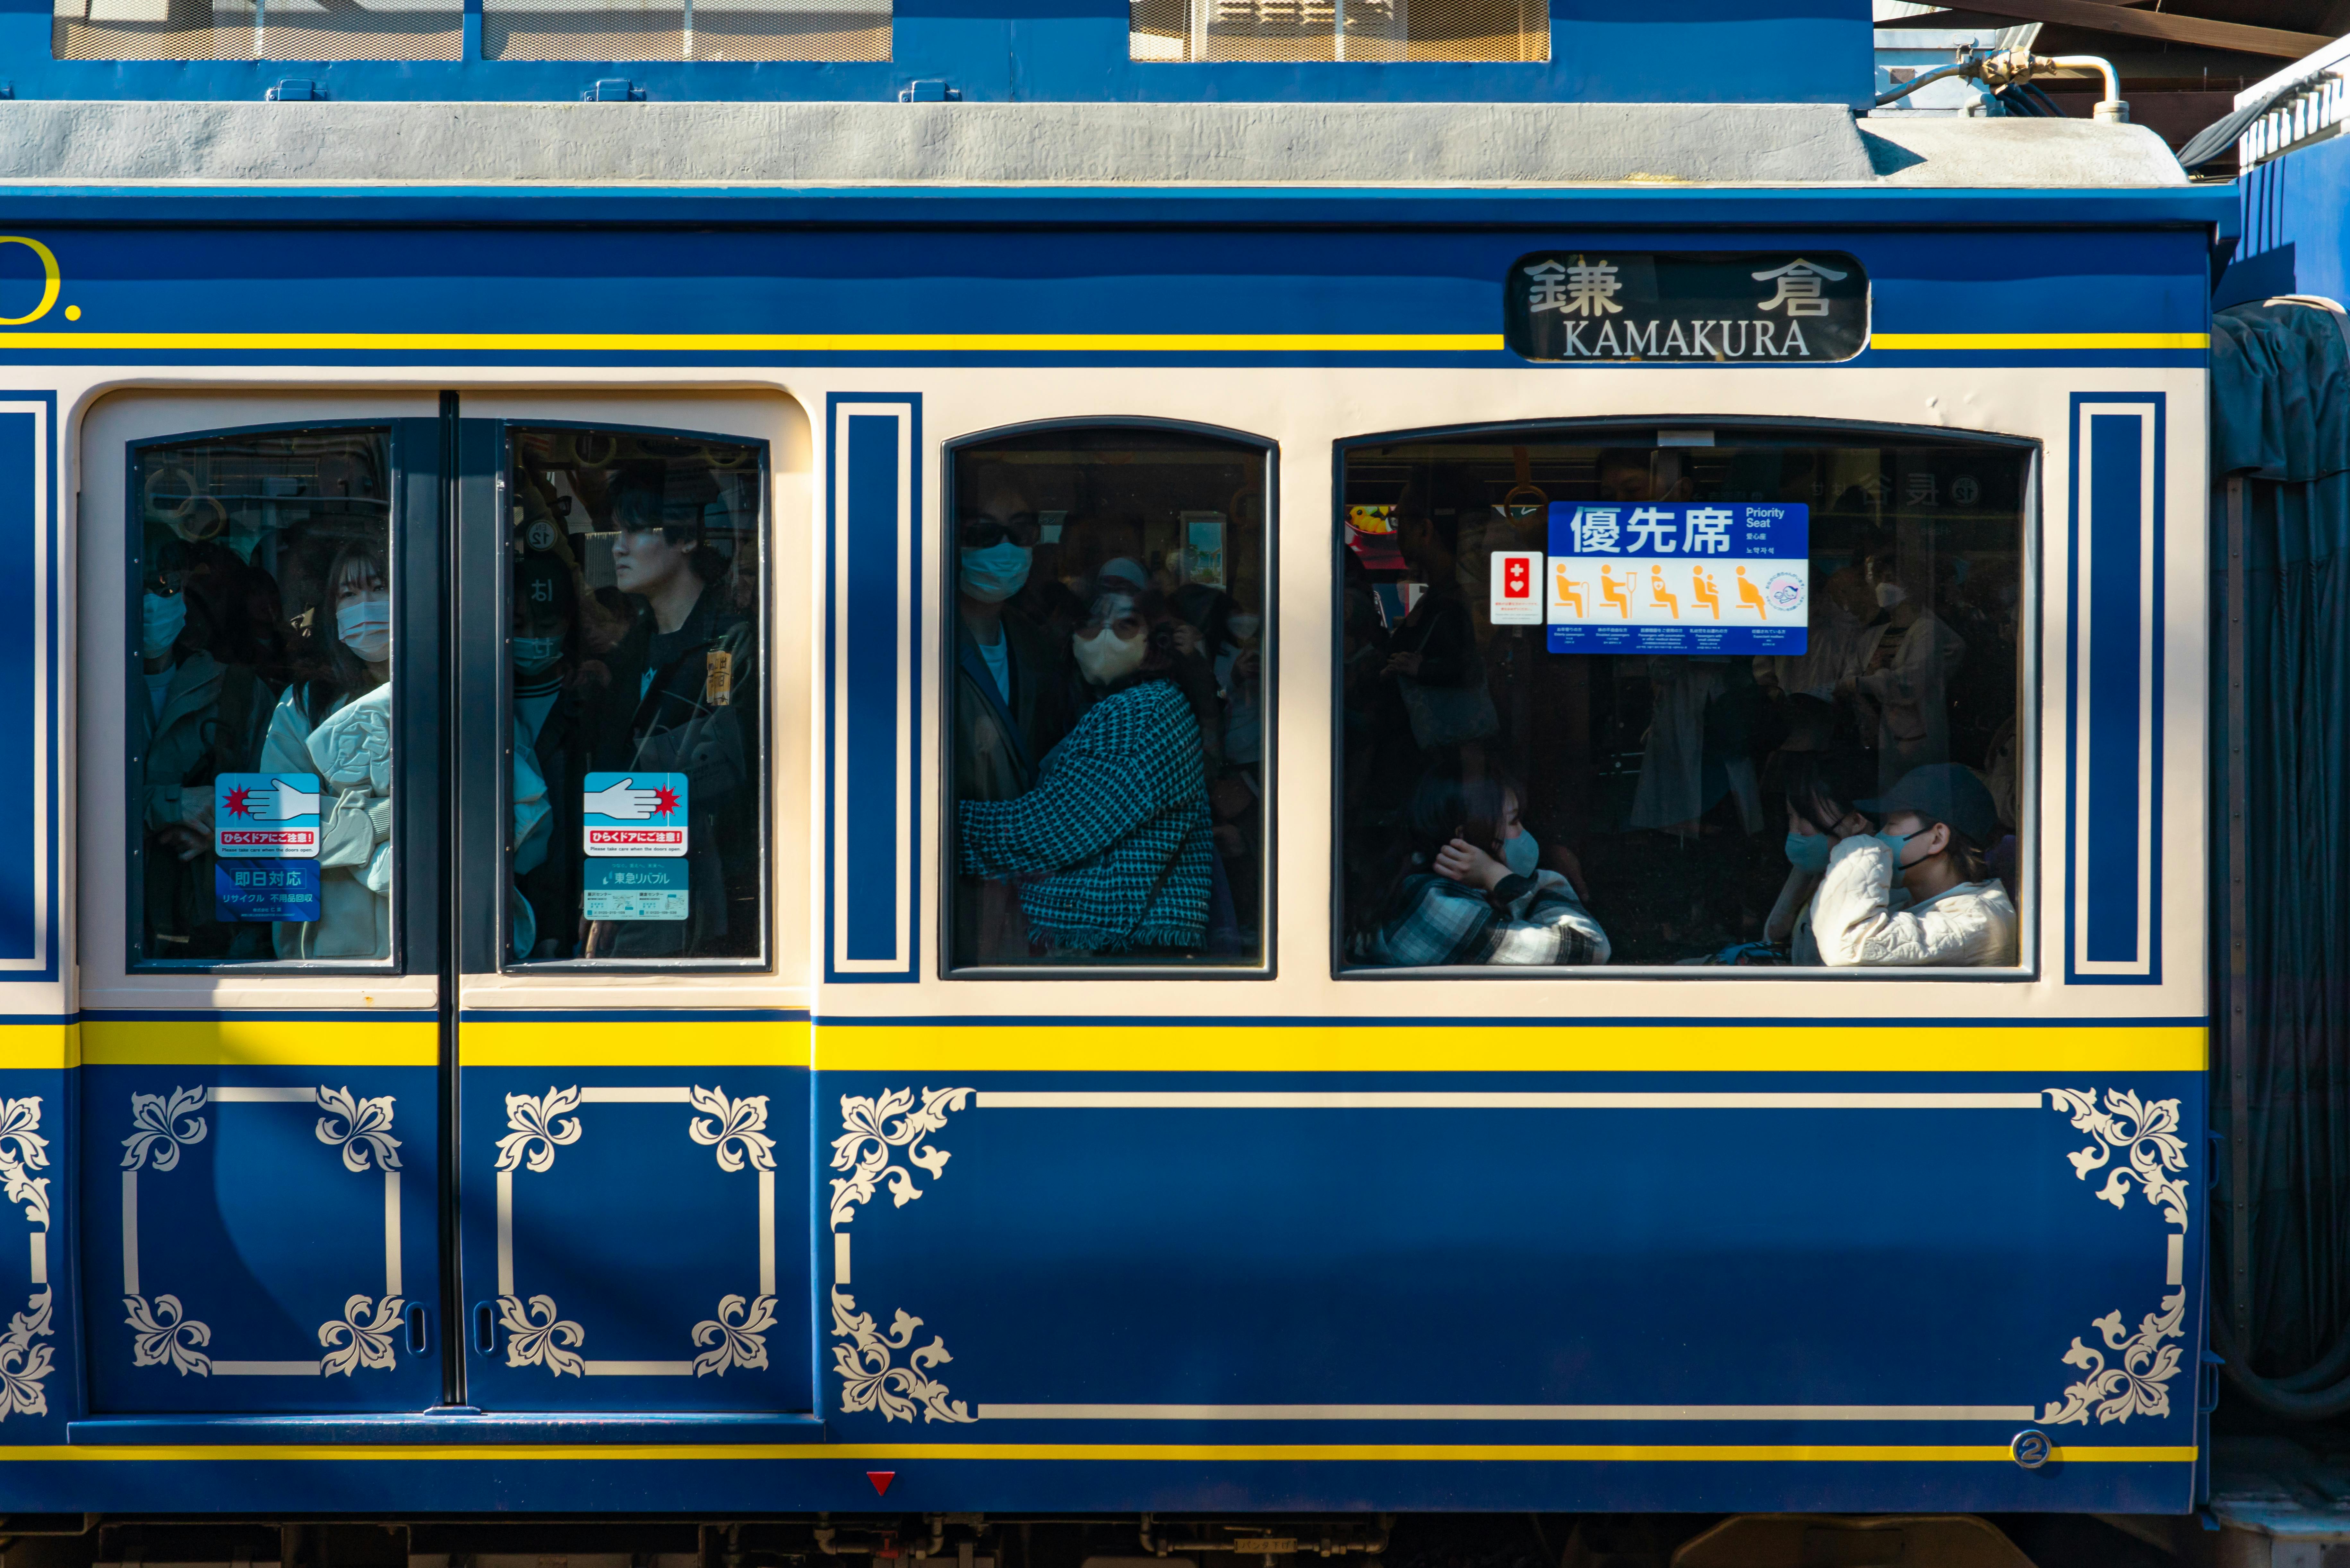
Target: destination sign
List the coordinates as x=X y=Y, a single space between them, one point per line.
x=1764 y=308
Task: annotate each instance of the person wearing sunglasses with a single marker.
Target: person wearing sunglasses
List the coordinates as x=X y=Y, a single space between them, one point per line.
x=1011 y=693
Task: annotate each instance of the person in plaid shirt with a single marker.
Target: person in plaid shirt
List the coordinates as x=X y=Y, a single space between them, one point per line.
x=1465 y=888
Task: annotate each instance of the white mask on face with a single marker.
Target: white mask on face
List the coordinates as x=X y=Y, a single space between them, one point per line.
x=1244 y=627
x=1888 y=595
x=1105 y=657
x=160 y=621
x=365 y=626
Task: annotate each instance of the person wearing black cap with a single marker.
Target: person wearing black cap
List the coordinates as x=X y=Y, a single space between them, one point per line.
x=1936 y=820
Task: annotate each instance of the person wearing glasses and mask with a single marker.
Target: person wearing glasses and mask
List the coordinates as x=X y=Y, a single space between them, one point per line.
x=1112 y=847
x=1010 y=694
x=1936 y=820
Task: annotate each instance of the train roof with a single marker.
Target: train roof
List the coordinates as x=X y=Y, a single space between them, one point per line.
x=1476 y=146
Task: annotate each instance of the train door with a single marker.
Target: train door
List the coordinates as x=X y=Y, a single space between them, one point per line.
x=394 y=1002
x=258 y=931
x=634 y=1164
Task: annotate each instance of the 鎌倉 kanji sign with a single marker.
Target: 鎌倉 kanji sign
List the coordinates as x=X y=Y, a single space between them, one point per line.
x=1768 y=309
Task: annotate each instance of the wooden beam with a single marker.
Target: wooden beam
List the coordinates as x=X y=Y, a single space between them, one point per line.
x=2169 y=25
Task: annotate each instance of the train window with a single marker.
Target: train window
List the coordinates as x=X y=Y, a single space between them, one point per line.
x=1611 y=702
x=685 y=30
x=260 y=718
x=257 y=30
x=1108 y=746
x=1456 y=30
x=637 y=787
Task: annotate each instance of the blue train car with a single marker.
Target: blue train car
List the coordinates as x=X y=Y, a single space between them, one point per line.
x=729 y=805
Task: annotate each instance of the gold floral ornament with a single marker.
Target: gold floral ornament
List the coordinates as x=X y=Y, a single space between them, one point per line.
x=2135 y=1381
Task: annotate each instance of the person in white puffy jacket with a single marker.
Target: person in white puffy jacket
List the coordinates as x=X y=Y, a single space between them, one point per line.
x=337 y=725
x=1936 y=820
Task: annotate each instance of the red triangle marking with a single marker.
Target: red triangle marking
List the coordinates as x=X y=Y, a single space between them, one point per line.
x=881 y=1479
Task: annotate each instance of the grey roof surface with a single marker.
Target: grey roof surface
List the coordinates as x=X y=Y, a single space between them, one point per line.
x=1093 y=144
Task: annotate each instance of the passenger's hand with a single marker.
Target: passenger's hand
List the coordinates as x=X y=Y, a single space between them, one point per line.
x=1187 y=638
x=1406 y=664
x=1464 y=863
x=184 y=842
x=592 y=672
x=1245 y=665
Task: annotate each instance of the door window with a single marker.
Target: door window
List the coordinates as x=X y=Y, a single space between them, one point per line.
x=637 y=785
x=259 y=712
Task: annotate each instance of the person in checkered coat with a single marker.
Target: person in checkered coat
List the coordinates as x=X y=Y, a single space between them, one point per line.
x=1462 y=885
x=1111 y=849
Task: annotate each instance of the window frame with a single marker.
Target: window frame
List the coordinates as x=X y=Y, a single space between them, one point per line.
x=500 y=533
x=2030 y=709
x=417 y=886
x=1268 y=450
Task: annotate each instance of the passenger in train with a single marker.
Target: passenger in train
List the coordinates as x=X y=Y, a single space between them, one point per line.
x=1111 y=849
x=546 y=746
x=1909 y=656
x=337 y=723
x=1463 y=883
x=1433 y=679
x=1936 y=820
x=682 y=679
x=205 y=714
x=1819 y=788
x=1011 y=693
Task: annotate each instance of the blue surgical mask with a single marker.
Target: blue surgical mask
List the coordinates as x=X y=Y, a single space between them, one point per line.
x=1521 y=854
x=996 y=572
x=537 y=655
x=160 y=620
x=1808 y=852
x=1894 y=841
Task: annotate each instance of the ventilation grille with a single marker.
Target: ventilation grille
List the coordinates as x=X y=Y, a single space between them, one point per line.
x=1272 y=30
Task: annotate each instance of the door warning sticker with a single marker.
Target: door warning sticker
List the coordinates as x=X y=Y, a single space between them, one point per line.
x=266 y=839
x=635 y=815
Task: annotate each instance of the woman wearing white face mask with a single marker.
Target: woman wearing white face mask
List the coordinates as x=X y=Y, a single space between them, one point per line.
x=1111 y=846
x=337 y=725
x=1905 y=673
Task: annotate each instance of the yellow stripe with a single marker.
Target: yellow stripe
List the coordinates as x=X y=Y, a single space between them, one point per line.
x=770 y=343
x=1189 y=1453
x=1629 y=1048
x=41 y=1045
x=229 y=1041
x=1921 y=341
x=730 y=1043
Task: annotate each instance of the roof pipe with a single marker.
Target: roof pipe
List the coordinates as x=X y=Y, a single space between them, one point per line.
x=2014 y=68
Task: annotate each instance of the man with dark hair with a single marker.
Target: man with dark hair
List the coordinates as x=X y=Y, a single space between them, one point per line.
x=684 y=683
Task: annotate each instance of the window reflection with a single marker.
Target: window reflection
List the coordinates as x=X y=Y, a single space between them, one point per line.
x=262 y=719
x=636 y=784
x=1852 y=803
x=1108 y=747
